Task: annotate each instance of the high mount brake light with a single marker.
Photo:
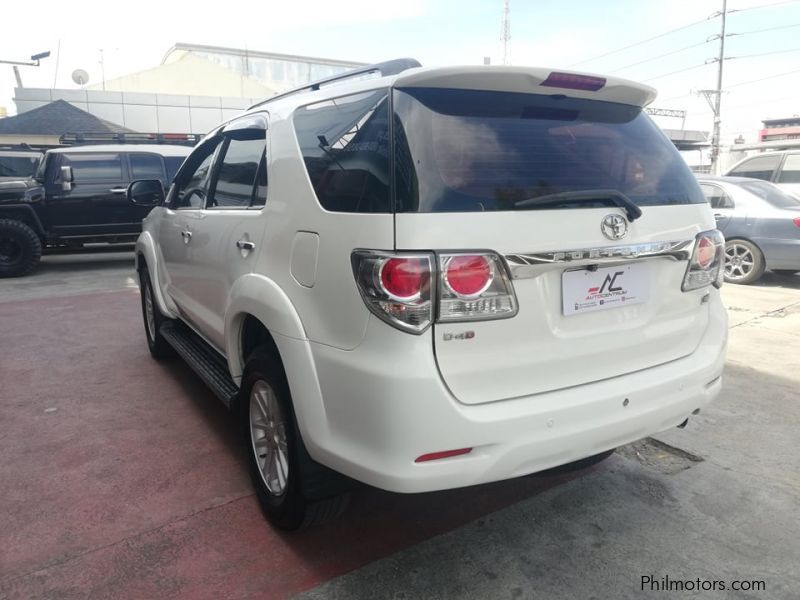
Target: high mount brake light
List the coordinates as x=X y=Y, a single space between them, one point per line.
x=572 y=81
x=707 y=264
x=401 y=289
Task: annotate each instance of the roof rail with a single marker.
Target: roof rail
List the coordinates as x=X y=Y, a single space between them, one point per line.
x=78 y=139
x=390 y=67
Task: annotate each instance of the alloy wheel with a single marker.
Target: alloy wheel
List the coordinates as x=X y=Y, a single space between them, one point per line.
x=149 y=311
x=268 y=437
x=739 y=261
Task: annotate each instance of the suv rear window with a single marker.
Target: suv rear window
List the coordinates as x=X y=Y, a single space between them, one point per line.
x=469 y=150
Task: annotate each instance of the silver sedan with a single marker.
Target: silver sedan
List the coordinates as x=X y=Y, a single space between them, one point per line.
x=761 y=224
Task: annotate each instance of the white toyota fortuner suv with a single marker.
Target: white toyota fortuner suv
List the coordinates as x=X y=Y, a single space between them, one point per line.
x=428 y=278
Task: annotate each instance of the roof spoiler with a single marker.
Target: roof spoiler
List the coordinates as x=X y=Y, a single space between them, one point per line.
x=390 y=67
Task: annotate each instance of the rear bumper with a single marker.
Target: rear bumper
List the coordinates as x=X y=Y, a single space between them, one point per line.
x=384 y=410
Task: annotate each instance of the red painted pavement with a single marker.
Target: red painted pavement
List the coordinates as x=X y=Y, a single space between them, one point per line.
x=135 y=485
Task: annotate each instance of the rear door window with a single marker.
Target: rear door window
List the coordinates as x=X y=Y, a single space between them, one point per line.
x=146 y=166
x=716 y=196
x=758 y=167
x=771 y=193
x=94 y=167
x=470 y=151
x=790 y=173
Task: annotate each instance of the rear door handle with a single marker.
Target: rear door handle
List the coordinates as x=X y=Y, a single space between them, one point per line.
x=118 y=190
x=718 y=215
x=245 y=245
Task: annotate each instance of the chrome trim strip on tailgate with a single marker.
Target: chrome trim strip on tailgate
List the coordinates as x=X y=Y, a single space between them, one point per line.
x=523 y=266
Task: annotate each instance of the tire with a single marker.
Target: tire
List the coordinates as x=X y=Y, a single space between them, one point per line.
x=786 y=272
x=293 y=490
x=578 y=465
x=744 y=262
x=153 y=319
x=20 y=248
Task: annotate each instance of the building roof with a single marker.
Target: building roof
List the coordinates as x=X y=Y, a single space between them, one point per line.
x=57 y=118
x=782 y=121
x=243 y=52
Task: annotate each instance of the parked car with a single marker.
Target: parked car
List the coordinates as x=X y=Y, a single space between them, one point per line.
x=761 y=224
x=18 y=163
x=435 y=278
x=76 y=196
x=780 y=168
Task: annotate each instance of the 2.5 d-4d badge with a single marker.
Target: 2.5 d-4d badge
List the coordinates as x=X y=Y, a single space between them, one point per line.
x=614 y=227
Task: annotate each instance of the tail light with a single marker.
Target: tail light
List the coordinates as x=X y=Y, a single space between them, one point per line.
x=474 y=287
x=401 y=289
x=707 y=264
x=397 y=288
x=796 y=221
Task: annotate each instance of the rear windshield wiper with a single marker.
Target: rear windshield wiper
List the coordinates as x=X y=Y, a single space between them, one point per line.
x=578 y=196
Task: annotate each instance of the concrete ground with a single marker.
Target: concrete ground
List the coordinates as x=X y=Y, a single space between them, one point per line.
x=123 y=478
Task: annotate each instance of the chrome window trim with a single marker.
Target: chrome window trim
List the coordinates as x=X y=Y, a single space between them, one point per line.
x=524 y=266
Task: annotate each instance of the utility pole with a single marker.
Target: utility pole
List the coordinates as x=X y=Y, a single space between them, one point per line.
x=102 y=70
x=718 y=93
x=506 y=36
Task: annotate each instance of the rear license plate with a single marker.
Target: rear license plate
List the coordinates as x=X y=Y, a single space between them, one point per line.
x=610 y=287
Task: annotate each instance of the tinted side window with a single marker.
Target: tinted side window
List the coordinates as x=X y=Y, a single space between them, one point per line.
x=759 y=167
x=173 y=163
x=791 y=169
x=716 y=196
x=192 y=184
x=236 y=178
x=260 y=197
x=146 y=166
x=94 y=167
x=345 y=146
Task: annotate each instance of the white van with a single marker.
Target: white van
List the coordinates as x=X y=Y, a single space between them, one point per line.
x=428 y=278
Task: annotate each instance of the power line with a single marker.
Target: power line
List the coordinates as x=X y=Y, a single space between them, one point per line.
x=763 y=78
x=641 y=62
x=639 y=43
x=676 y=72
x=735 y=10
x=764 y=53
x=749 y=31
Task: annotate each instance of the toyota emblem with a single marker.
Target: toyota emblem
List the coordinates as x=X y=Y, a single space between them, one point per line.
x=614 y=226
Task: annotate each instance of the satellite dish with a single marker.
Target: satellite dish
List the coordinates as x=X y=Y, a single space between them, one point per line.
x=80 y=76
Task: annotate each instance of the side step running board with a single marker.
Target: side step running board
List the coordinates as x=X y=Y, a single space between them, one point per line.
x=204 y=360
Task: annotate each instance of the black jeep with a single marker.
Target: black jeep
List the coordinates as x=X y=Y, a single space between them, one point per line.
x=77 y=196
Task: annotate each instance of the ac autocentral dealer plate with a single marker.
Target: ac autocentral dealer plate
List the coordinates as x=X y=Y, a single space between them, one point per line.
x=610 y=287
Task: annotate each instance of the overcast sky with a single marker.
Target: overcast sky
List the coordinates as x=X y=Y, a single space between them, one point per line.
x=557 y=33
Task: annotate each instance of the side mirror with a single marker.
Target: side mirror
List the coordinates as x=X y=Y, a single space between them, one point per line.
x=146 y=192
x=66 y=178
